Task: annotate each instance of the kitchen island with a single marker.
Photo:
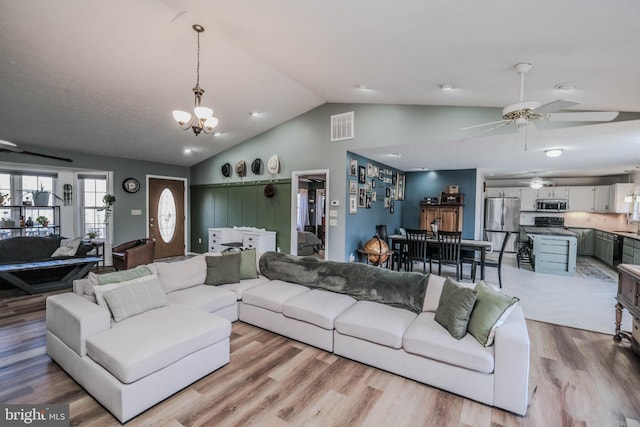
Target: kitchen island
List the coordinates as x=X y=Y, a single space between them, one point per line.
x=554 y=250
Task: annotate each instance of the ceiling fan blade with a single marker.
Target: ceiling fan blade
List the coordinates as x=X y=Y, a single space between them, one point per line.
x=497 y=122
x=586 y=116
x=553 y=106
x=7 y=143
x=31 y=153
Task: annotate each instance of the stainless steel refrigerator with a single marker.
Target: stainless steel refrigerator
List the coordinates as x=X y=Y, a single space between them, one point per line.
x=502 y=214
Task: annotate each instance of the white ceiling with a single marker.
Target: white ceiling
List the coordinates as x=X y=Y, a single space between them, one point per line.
x=103 y=76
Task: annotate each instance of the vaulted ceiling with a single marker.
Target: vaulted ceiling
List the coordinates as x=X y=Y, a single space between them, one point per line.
x=103 y=76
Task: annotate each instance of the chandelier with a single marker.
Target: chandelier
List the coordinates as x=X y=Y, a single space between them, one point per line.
x=202 y=119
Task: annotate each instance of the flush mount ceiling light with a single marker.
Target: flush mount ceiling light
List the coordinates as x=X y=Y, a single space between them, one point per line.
x=362 y=87
x=446 y=87
x=554 y=152
x=254 y=113
x=202 y=120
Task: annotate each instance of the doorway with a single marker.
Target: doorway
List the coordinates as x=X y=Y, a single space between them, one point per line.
x=309 y=197
x=166 y=215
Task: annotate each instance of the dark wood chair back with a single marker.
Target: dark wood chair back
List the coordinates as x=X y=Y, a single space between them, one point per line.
x=417 y=248
x=449 y=250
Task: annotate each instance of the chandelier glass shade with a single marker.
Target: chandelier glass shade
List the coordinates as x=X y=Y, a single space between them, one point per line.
x=202 y=119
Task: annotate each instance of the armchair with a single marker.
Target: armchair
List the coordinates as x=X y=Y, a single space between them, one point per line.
x=131 y=254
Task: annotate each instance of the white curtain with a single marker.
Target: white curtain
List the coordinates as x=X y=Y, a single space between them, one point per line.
x=303 y=208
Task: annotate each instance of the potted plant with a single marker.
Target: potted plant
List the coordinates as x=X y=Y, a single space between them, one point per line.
x=42 y=220
x=93 y=234
x=107 y=202
x=41 y=197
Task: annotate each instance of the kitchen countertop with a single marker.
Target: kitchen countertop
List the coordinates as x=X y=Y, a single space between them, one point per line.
x=548 y=231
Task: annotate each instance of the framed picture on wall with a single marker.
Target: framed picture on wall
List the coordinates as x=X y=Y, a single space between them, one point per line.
x=373 y=183
x=374 y=196
x=386 y=202
x=353 y=204
x=362 y=198
x=353 y=167
x=391 y=207
x=369 y=170
x=367 y=186
x=353 y=187
x=362 y=174
x=368 y=202
x=388 y=192
x=400 y=187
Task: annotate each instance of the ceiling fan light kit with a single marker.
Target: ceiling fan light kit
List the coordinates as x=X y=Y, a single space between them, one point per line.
x=204 y=121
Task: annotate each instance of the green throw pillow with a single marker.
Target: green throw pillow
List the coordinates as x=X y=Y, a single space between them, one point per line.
x=247 y=263
x=491 y=310
x=222 y=270
x=454 y=308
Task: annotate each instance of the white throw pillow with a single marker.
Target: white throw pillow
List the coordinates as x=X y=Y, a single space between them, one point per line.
x=68 y=247
x=182 y=274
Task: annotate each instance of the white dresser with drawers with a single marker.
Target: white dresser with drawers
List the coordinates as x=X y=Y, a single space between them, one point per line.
x=223 y=238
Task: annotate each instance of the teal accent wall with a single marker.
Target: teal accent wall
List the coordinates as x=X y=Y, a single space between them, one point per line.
x=431 y=184
x=361 y=226
x=240 y=204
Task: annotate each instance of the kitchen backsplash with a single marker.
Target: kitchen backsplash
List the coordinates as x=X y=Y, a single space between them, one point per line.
x=612 y=222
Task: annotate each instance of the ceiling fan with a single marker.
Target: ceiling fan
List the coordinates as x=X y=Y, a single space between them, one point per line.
x=537 y=183
x=524 y=113
x=10 y=146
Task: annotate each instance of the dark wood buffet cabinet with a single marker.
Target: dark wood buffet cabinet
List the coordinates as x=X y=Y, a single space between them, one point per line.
x=629 y=298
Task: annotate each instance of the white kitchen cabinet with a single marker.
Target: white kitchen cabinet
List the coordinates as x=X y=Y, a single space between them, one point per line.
x=617 y=193
x=503 y=192
x=601 y=198
x=553 y=193
x=581 y=199
x=528 y=197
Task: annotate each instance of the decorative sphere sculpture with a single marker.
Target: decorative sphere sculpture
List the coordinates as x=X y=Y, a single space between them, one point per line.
x=376 y=250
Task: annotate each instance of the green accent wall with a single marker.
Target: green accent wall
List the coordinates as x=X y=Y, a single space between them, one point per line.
x=240 y=204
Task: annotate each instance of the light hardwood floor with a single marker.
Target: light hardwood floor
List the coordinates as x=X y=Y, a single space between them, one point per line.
x=578 y=378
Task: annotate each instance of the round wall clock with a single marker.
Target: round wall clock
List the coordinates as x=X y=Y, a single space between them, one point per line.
x=131 y=185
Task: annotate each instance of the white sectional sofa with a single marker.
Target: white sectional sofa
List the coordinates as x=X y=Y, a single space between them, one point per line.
x=131 y=364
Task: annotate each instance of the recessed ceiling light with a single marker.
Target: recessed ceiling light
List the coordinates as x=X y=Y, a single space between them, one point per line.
x=362 y=87
x=187 y=151
x=254 y=113
x=396 y=155
x=217 y=134
x=566 y=86
x=446 y=87
x=554 y=152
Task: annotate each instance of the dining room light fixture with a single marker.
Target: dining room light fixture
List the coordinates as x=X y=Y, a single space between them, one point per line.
x=554 y=152
x=202 y=119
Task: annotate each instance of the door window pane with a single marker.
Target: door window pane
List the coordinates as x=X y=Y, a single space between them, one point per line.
x=167 y=215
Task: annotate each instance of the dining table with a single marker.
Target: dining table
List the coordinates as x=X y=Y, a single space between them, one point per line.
x=481 y=246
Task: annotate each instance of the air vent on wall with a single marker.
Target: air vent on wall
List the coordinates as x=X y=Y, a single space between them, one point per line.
x=342 y=126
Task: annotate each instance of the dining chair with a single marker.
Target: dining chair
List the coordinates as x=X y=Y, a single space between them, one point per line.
x=489 y=262
x=418 y=250
x=449 y=251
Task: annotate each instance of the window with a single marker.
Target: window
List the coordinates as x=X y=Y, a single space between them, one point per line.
x=92 y=191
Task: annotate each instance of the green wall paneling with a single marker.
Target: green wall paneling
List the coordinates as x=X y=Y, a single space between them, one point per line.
x=249 y=195
x=219 y=196
x=224 y=205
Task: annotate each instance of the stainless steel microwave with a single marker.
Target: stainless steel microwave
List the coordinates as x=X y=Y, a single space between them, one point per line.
x=553 y=205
